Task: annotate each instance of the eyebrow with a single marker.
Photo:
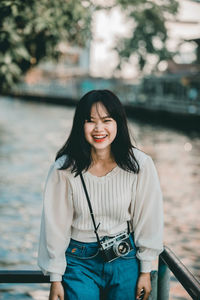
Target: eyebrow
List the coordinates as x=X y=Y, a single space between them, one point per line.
x=105 y=117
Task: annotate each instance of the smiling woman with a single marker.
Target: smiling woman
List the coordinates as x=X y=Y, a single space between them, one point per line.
x=96 y=108
x=114 y=260
x=100 y=128
x=100 y=131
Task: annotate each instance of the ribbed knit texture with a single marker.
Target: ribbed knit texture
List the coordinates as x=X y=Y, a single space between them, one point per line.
x=110 y=198
x=116 y=198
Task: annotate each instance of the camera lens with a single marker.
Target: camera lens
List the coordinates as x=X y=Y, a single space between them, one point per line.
x=121 y=248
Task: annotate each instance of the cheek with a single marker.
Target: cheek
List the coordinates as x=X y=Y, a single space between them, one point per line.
x=115 y=134
x=115 y=129
x=87 y=130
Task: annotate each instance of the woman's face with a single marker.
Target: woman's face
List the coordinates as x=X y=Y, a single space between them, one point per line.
x=100 y=131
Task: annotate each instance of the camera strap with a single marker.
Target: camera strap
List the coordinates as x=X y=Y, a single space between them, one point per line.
x=91 y=210
x=128 y=227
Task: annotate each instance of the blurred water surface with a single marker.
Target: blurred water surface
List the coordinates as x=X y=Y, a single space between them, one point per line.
x=31 y=134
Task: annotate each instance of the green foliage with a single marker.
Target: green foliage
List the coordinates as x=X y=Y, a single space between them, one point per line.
x=31 y=30
x=149 y=33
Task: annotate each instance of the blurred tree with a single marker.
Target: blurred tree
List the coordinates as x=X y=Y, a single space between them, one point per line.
x=149 y=32
x=31 y=30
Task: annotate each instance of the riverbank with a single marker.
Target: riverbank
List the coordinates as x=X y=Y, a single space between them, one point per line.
x=157 y=115
x=32 y=132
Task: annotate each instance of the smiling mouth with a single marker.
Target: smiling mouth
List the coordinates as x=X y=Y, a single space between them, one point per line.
x=99 y=139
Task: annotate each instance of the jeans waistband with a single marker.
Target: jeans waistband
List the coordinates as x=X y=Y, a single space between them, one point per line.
x=89 y=236
x=95 y=244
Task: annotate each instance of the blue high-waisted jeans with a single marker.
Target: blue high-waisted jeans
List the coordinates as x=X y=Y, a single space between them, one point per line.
x=89 y=277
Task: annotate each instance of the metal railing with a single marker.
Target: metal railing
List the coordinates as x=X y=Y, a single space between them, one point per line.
x=160 y=279
x=169 y=261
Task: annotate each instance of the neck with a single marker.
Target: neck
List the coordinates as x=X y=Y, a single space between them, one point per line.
x=101 y=156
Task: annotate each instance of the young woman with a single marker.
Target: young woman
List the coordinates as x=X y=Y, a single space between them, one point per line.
x=124 y=192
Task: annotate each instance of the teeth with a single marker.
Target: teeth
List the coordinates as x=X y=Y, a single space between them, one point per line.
x=100 y=137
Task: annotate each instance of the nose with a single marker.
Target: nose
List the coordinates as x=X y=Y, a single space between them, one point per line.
x=98 y=127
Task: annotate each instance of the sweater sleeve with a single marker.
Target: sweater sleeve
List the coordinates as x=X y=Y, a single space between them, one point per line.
x=55 y=228
x=147 y=215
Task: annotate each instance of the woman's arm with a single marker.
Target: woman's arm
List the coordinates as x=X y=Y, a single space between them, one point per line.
x=147 y=221
x=56 y=291
x=55 y=230
x=144 y=283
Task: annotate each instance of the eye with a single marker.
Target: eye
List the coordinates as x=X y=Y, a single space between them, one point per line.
x=107 y=120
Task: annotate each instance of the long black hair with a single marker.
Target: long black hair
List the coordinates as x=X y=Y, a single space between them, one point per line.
x=78 y=150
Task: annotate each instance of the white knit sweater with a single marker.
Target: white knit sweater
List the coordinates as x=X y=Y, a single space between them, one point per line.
x=116 y=198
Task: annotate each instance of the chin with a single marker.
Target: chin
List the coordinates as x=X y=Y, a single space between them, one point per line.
x=99 y=147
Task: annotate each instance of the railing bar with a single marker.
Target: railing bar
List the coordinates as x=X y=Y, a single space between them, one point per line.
x=184 y=276
x=163 y=281
x=23 y=276
x=170 y=257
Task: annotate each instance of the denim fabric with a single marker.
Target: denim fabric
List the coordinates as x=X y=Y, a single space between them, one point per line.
x=89 y=277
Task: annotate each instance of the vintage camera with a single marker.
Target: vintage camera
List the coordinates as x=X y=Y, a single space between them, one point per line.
x=114 y=247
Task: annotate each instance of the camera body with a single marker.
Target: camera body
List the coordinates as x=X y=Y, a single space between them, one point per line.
x=117 y=246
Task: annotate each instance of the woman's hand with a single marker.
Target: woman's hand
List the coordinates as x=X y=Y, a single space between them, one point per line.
x=56 y=291
x=144 y=282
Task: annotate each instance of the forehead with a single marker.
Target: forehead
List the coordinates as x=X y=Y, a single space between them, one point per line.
x=98 y=110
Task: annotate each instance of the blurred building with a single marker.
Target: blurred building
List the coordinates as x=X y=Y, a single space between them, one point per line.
x=107 y=27
x=99 y=60
x=74 y=61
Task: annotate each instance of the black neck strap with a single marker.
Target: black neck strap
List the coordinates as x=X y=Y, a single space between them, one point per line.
x=90 y=208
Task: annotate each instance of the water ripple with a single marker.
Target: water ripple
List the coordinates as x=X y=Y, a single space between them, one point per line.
x=30 y=135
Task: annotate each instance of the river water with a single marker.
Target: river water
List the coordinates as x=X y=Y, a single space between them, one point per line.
x=30 y=135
